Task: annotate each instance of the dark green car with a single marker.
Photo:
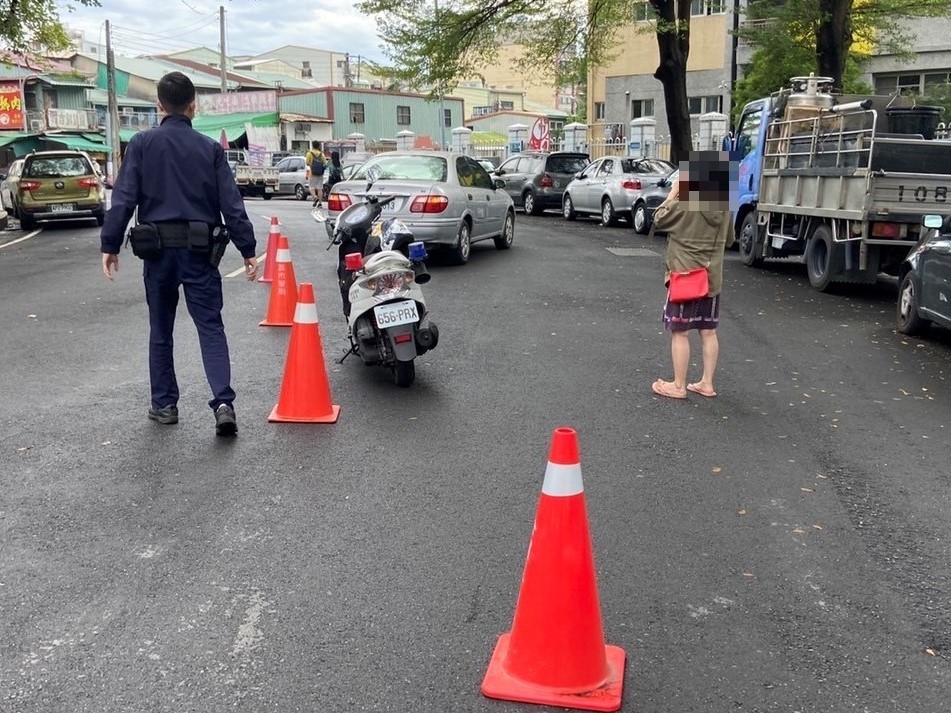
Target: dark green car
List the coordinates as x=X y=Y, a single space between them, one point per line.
x=54 y=185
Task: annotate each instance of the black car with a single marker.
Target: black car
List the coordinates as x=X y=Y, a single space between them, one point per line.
x=642 y=211
x=925 y=278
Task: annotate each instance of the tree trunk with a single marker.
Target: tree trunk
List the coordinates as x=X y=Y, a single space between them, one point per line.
x=673 y=42
x=833 y=39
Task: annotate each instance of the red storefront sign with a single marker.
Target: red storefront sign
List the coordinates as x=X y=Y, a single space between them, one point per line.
x=11 y=105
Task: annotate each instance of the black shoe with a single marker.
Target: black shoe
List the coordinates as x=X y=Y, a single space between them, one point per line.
x=315 y=203
x=225 y=422
x=166 y=415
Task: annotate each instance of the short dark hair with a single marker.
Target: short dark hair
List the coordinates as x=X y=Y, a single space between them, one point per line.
x=176 y=92
x=315 y=145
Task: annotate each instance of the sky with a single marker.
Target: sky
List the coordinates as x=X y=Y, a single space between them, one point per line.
x=252 y=26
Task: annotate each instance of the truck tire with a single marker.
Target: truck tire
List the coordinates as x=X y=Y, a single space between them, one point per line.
x=750 y=243
x=823 y=259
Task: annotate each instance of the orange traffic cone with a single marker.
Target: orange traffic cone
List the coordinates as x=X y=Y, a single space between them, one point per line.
x=283 y=299
x=271 y=253
x=555 y=653
x=305 y=392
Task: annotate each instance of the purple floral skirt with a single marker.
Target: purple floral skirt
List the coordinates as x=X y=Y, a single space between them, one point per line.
x=697 y=314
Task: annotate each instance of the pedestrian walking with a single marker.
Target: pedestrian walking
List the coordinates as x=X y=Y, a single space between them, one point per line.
x=316 y=167
x=334 y=171
x=699 y=228
x=180 y=185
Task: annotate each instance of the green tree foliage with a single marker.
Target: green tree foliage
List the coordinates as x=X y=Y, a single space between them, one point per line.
x=434 y=50
x=28 y=25
x=940 y=96
x=828 y=37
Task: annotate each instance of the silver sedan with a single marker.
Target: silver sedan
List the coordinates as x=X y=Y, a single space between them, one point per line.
x=444 y=198
x=610 y=186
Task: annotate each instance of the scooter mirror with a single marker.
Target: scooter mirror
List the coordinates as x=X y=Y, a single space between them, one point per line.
x=373 y=175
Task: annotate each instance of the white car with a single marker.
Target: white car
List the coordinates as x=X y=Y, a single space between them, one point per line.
x=444 y=198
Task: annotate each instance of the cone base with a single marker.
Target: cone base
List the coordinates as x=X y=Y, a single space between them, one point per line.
x=265 y=323
x=498 y=683
x=331 y=417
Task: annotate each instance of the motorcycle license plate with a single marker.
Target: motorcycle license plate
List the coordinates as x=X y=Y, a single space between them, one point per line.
x=393 y=314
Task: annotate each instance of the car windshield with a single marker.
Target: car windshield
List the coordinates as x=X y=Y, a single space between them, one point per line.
x=567 y=164
x=56 y=167
x=408 y=167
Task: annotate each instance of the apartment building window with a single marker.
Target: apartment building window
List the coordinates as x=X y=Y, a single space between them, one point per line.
x=898 y=83
x=705 y=105
x=447 y=117
x=599 y=111
x=707 y=7
x=642 y=107
x=506 y=106
x=356 y=113
x=644 y=12
x=306 y=72
x=402 y=115
x=935 y=80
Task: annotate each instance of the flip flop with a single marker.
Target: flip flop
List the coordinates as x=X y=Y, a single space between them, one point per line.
x=660 y=388
x=695 y=388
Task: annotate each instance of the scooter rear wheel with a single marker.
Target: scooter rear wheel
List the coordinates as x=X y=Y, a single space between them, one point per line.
x=404 y=373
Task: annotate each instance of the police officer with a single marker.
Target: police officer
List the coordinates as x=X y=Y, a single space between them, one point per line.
x=182 y=185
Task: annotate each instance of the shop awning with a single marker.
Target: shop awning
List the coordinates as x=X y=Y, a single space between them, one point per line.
x=233 y=125
x=8 y=137
x=78 y=143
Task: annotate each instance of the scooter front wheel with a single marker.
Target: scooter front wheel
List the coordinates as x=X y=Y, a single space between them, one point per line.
x=404 y=373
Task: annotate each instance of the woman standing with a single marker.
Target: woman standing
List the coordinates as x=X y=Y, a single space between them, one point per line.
x=699 y=228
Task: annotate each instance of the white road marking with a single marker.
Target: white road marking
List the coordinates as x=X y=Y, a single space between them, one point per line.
x=240 y=270
x=20 y=240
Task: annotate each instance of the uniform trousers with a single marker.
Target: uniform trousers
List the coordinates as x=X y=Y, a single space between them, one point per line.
x=201 y=282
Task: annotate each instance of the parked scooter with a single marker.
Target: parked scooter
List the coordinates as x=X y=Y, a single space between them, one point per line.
x=380 y=270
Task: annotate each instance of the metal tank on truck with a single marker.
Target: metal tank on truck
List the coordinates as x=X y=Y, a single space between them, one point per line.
x=839 y=181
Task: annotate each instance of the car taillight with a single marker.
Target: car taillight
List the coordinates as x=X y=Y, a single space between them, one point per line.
x=30 y=185
x=429 y=204
x=88 y=182
x=546 y=181
x=338 y=201
x=631 y=184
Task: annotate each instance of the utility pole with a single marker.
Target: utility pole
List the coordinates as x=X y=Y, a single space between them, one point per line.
x=224 y=58
x=442 y=106
x=112 y=124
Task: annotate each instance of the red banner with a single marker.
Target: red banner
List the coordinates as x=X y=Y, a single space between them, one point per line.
x=11 y=105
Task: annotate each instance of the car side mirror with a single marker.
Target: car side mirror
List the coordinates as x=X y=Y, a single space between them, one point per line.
x=500 y=172
x=498 y=183
x=932 y=221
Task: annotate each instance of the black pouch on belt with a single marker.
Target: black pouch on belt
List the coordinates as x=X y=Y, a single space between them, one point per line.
x=199 y=236
x=145 y=241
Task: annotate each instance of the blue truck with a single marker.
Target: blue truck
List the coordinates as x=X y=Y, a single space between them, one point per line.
x=839 y=182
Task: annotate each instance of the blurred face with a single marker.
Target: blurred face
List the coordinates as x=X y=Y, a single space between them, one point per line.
x=706 y=180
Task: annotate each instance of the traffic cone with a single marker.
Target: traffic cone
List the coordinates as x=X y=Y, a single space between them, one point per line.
x=555 y=653
x=305 y=392
x=283 y=300
x=270 y=254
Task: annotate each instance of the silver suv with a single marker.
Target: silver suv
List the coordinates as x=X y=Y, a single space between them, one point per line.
x=536 y=180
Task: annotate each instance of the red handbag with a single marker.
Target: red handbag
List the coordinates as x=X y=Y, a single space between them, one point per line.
x=689 y=286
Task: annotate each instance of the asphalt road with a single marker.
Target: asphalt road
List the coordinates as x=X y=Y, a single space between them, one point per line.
x=782 y=547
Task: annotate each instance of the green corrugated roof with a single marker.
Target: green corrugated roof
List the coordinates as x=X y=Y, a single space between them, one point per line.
x=78 y=143
x=8 y=137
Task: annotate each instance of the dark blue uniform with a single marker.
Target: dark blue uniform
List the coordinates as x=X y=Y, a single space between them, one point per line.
x=173 y=174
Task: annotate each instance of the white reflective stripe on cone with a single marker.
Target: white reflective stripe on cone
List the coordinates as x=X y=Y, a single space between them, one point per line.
x=562 y=480
x=283 y=256
x=305 y=313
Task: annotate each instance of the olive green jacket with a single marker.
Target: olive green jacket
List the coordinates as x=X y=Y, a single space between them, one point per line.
x=695 y=238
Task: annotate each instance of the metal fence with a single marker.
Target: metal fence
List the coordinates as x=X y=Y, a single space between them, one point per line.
x=596 y=148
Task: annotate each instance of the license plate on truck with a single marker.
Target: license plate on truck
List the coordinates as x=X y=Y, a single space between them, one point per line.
x=393 y=314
